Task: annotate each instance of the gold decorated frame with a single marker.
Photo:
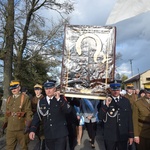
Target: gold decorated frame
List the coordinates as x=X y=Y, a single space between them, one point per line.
x=88 y=61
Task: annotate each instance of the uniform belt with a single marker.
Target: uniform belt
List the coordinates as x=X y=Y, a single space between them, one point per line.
x=143 y=121
x=13 y=114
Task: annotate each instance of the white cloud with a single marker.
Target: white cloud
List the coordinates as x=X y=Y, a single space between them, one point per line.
x=124 y=69
x=91 y=13
x=132 y=34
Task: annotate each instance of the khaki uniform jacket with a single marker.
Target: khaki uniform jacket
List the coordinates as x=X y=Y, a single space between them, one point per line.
x=34 y=103
x=132 y=98
x=13 y=111
x=141 y=118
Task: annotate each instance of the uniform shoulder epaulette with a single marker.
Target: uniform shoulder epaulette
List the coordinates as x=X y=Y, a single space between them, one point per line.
x=8 y=99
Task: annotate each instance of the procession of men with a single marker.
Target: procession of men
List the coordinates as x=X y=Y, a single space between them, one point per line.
x=124 y=123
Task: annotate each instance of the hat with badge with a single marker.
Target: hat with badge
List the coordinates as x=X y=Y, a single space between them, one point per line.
x=37 y=87
x=49 y=84
x=14 y=84
x=129 y=86
x=147 y=87
x=115 y=86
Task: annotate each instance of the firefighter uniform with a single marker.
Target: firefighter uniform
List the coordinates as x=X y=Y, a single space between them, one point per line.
x=141 y=120
x=18 y=118
x=117 y=118
x=52 y=111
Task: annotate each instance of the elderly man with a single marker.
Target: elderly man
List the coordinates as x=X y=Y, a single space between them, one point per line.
x=52 y=110
x=141 y=120
x=17 y=118
x=117 y=116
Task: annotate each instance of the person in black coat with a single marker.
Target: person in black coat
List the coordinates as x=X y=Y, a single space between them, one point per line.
x=52 y=109
x=117 y=116
x=72 y=122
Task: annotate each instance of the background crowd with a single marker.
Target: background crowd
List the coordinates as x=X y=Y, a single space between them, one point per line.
x=57 y=120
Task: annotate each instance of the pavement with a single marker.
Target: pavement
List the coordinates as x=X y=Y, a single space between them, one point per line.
x=85 y=144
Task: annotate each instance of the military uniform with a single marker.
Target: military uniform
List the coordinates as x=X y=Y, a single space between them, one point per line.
x=52 y=111
x=131 y=96
x=34 y=102
x=40 y=130
x=18 y=116
x=34 y=110
x=141 y=121
x=118 y=126
x=37 y=97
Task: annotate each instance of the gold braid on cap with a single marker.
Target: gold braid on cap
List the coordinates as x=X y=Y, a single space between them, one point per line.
x=14 y=83
x=38 y=86
x=147 y=86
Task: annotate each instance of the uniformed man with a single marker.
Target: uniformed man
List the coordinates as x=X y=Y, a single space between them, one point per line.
x=17 y=118
x=117 y=116
x=132 y=97
x=141 y=120
x=38 y=96
x=52 y=109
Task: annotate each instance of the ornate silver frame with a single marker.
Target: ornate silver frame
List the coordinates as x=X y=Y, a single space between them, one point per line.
x=88 y=61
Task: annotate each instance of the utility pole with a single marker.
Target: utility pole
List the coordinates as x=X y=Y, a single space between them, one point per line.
x=131 y=66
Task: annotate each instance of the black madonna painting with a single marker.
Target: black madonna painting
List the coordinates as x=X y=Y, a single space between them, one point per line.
x=88 y=60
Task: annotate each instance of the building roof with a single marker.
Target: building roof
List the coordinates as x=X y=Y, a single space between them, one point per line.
x=135 y=77
x=132 y=79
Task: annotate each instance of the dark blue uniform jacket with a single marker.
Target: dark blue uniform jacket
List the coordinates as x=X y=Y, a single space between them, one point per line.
x=53 y=116
x=118 y=125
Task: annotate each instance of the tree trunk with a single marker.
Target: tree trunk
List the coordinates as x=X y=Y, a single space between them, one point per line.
x=9 y=34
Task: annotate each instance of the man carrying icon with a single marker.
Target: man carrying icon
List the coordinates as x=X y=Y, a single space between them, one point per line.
x=52 y=110
x=117 y=117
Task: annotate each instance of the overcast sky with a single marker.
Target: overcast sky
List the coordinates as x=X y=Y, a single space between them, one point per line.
x=133 y=35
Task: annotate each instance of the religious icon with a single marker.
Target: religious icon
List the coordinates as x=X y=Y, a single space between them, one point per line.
x=88 y=60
